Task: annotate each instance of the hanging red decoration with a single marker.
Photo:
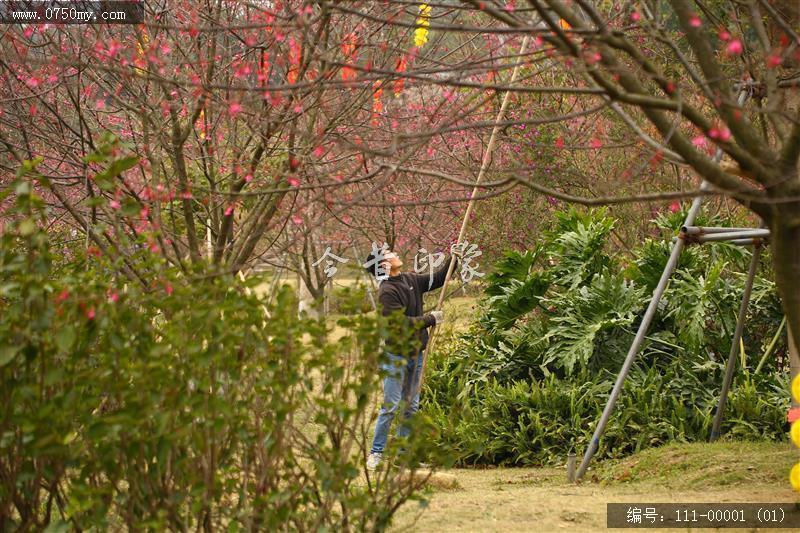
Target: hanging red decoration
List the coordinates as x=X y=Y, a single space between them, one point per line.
x=377 y=104
x=349 y=45
x=295 y=57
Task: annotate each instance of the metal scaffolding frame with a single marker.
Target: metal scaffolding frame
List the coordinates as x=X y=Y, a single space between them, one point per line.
x=689 y=234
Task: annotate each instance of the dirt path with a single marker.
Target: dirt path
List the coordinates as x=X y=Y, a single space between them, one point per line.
x=528 y=499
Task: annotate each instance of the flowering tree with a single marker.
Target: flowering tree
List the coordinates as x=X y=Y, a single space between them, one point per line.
x=671 y=83
x=237 y=119
x=272 y=127
x=674 y=72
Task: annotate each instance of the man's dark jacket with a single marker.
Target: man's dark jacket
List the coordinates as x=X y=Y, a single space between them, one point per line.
x=404 y=293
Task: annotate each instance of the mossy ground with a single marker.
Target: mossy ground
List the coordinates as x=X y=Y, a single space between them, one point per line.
x=701 y=466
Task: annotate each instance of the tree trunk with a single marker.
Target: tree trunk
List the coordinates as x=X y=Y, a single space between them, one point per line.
x=306 y=301
x=785 y=241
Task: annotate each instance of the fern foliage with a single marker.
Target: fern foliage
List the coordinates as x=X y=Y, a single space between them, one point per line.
x=529 y=380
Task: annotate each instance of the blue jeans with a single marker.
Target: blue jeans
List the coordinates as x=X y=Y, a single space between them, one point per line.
x=403 y=374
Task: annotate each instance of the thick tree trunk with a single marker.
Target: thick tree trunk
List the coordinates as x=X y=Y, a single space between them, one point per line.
x=785 y=241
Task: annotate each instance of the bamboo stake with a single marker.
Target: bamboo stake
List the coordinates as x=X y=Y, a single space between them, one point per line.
x=771 y=346
x=485 y=162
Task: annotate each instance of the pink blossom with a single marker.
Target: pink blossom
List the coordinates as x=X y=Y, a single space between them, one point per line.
x=734 y=48
x=695 y=21
x=774 y=61
x=242 y=71
x=699 y=141
x=675 y=206
x=248 y=178
x=319 y=151
x=113 y=295
x=168 y=289
x=595 y=143
x=635 y=16
x=114 y=204
x=234 y=108
x=90 y=314
x=229 y=211
x=293 y=181
x=722 y=133
x=724 y=35
x=297 y=219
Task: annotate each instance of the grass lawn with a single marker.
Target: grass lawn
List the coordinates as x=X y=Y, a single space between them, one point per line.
x=540 y=499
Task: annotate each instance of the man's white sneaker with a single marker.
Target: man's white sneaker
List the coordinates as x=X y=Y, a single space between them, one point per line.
x=374 y=460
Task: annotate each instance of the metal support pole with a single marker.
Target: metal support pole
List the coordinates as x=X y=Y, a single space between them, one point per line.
x=747 y=242
x=737 y=335
x=752 y=234
x=702 y=230
x=677 y=248
x=740 y=242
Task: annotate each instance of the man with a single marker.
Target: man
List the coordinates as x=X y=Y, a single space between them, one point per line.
x=401 y=292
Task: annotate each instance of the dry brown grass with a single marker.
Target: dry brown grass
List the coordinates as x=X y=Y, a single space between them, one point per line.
x=540 y=499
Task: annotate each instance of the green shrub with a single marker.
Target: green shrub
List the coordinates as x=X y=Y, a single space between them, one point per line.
x=528 y=382
x=178 y=403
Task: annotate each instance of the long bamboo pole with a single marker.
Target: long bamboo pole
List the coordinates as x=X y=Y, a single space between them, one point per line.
x=485 y=162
